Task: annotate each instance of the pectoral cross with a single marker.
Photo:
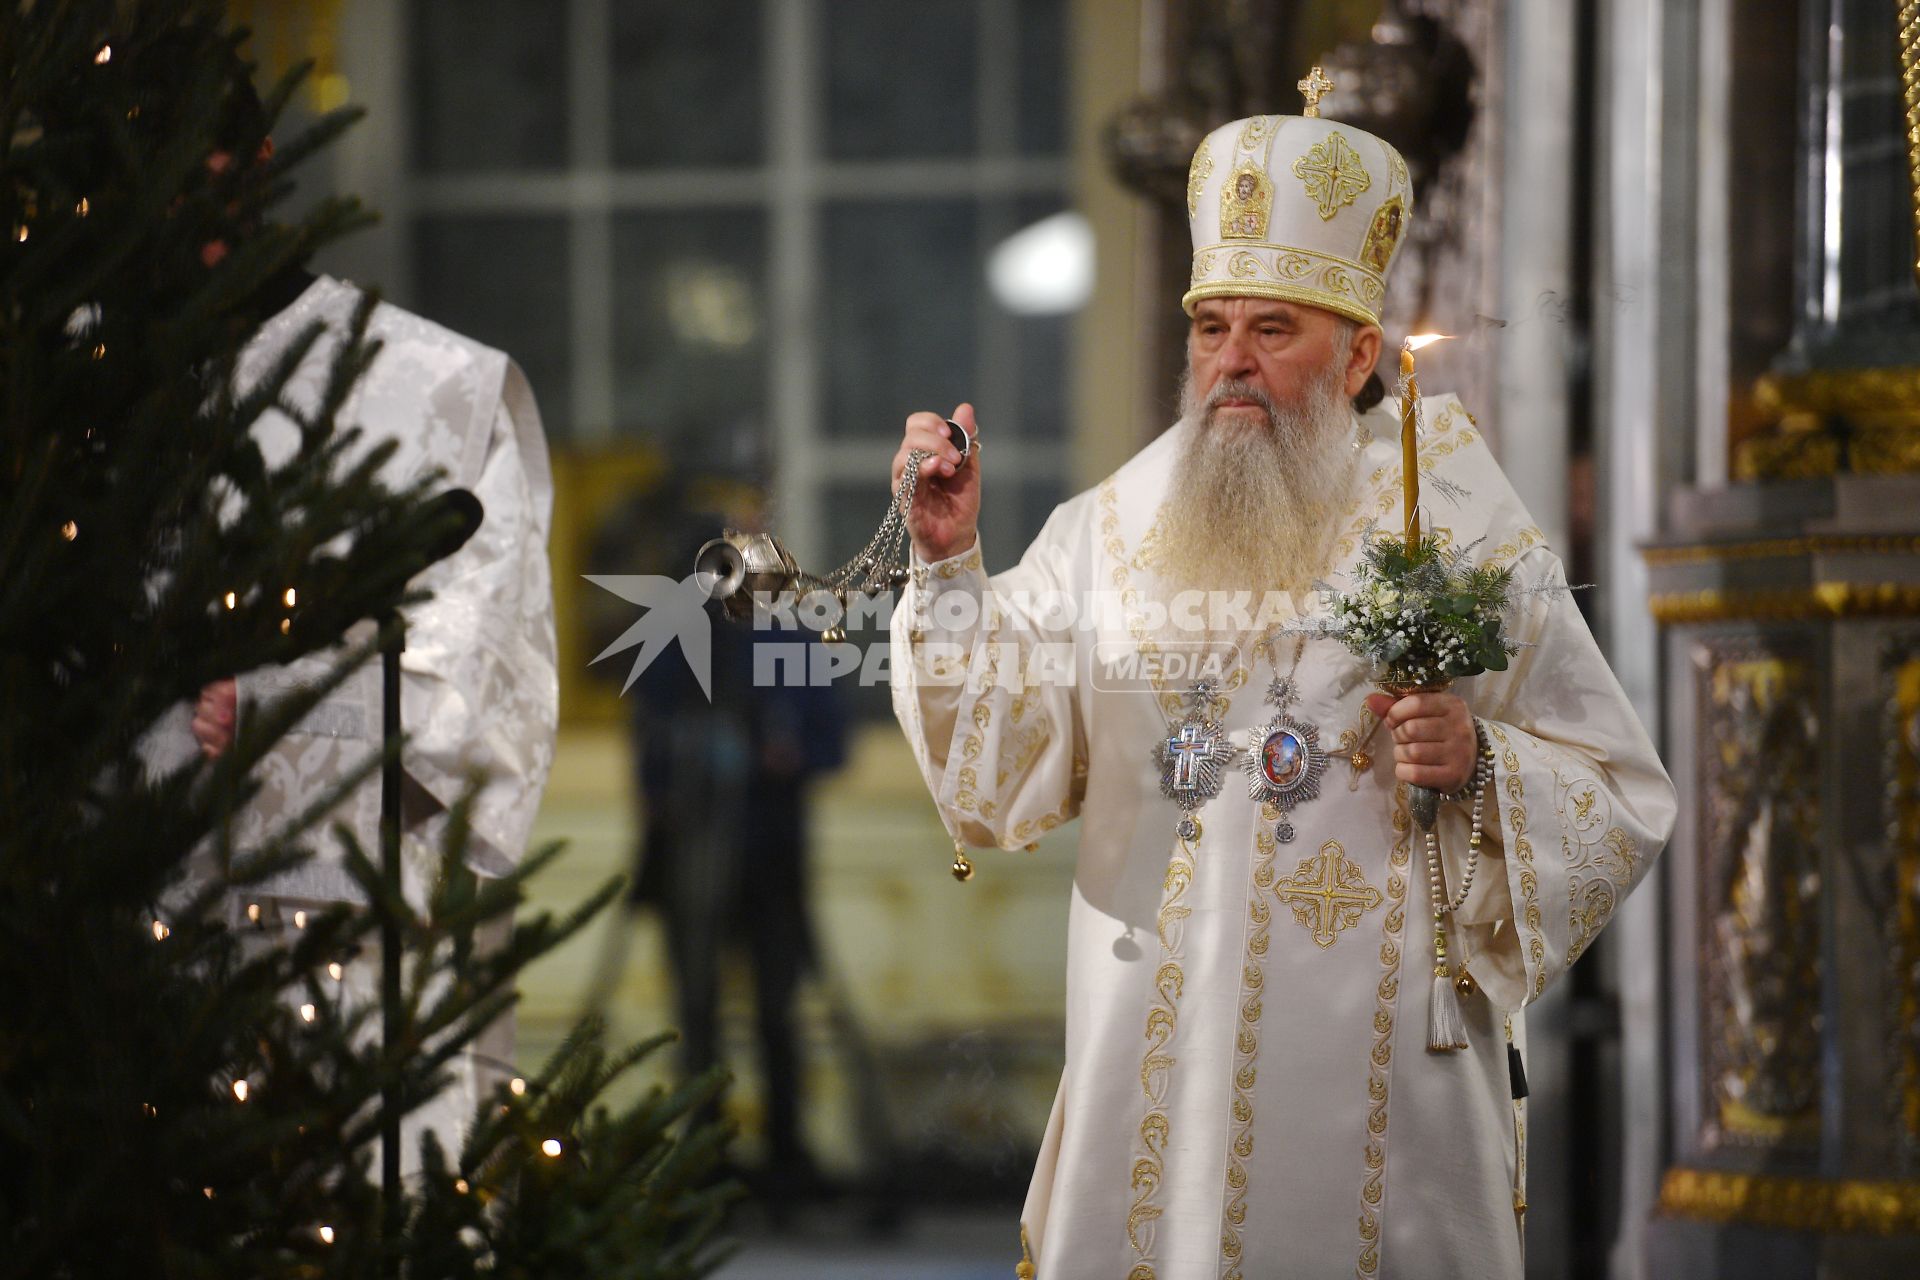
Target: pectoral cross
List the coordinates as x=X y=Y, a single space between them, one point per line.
x=1191 y=757
x=1315 y=87
x=1189 y=749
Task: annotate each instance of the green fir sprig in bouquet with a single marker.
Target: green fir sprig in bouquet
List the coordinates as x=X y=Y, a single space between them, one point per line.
x=1424 y=616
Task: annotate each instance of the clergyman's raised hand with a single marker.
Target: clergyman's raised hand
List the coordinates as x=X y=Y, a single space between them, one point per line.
x=946 y=504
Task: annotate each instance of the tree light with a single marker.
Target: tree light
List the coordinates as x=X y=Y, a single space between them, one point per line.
x=516 y=1086
x=160 y=931
x=334 y=971
x=69 y=531
x=460 y=1186
x=230 y=599
x=551 y=1146
x=83 y=208
x=326 y=1235
x=308 y=1012
x=240 y=1090
x=299 y=919
x=253 y=913
x=103 y=57
x=288 y=597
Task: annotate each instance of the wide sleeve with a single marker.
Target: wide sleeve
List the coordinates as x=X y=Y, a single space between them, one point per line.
x=480 y=686
x=1579 y=805
x=983 y=685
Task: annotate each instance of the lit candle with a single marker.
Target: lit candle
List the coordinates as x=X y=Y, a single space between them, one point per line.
x=1409 y=446
x=1409 y=434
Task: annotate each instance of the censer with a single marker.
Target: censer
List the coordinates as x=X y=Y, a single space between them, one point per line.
x=737 y=568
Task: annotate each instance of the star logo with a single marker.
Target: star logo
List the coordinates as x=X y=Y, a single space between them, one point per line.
x=675 y=611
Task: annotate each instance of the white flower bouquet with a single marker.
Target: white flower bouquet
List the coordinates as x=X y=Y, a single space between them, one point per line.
x=1423 y=619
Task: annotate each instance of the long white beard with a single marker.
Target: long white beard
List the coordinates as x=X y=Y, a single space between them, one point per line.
x=1251 y=505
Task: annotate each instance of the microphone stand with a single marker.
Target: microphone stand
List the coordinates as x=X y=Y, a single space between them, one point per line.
x=393 y=642
x=462 y=513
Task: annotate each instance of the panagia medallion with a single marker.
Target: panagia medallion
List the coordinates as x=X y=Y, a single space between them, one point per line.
x=1285 y=760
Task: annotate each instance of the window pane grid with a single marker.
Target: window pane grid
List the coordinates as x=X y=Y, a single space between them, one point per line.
x=698 y=272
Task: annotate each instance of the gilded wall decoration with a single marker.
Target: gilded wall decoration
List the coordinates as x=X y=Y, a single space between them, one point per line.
x=1900 y=678
x=1759 y=898
x=1850 y=1205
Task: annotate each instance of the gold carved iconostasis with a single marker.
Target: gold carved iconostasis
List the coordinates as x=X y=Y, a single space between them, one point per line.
x=1787 y=583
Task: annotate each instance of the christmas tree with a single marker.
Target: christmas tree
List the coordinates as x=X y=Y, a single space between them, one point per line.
x=175 y=1098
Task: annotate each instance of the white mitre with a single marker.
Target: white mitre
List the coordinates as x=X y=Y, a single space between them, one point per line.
x=1297 y=208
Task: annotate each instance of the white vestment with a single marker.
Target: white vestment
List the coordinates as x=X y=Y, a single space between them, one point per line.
x=479 y=682
x=1247 y=1089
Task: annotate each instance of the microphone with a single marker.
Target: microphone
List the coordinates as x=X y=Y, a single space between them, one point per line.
x=455 y=516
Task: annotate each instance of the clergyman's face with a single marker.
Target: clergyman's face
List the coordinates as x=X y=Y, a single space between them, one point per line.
x=1279 y=348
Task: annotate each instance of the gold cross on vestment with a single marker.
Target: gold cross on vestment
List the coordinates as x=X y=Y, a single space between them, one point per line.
x=1327 y=893
x=1315 y=87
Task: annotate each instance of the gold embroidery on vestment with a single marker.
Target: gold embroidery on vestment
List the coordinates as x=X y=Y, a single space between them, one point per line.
x=1246 y=1043
x=1328 y=893
x=1197 y=174
x=1600 y=859
x=1246 y=205
x=1163 y=1014
x=1397 y=172
x=1373 y=1186
x=1156 y=1065
x=967 y=798
x=1522 y=847
x=1440 y=440
x=1255 y=131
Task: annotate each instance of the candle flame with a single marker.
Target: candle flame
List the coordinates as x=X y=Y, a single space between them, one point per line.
x=1415 y=341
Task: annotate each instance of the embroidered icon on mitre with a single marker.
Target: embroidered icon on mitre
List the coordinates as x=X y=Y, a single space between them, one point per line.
x=1246 y=204
x=1384 y=235
x=1333 y=173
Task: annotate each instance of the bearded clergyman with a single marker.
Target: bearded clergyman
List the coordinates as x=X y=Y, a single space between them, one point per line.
x=1250 y=1086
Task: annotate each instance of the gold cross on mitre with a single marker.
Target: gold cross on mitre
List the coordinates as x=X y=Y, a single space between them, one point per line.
x=1315 y=87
